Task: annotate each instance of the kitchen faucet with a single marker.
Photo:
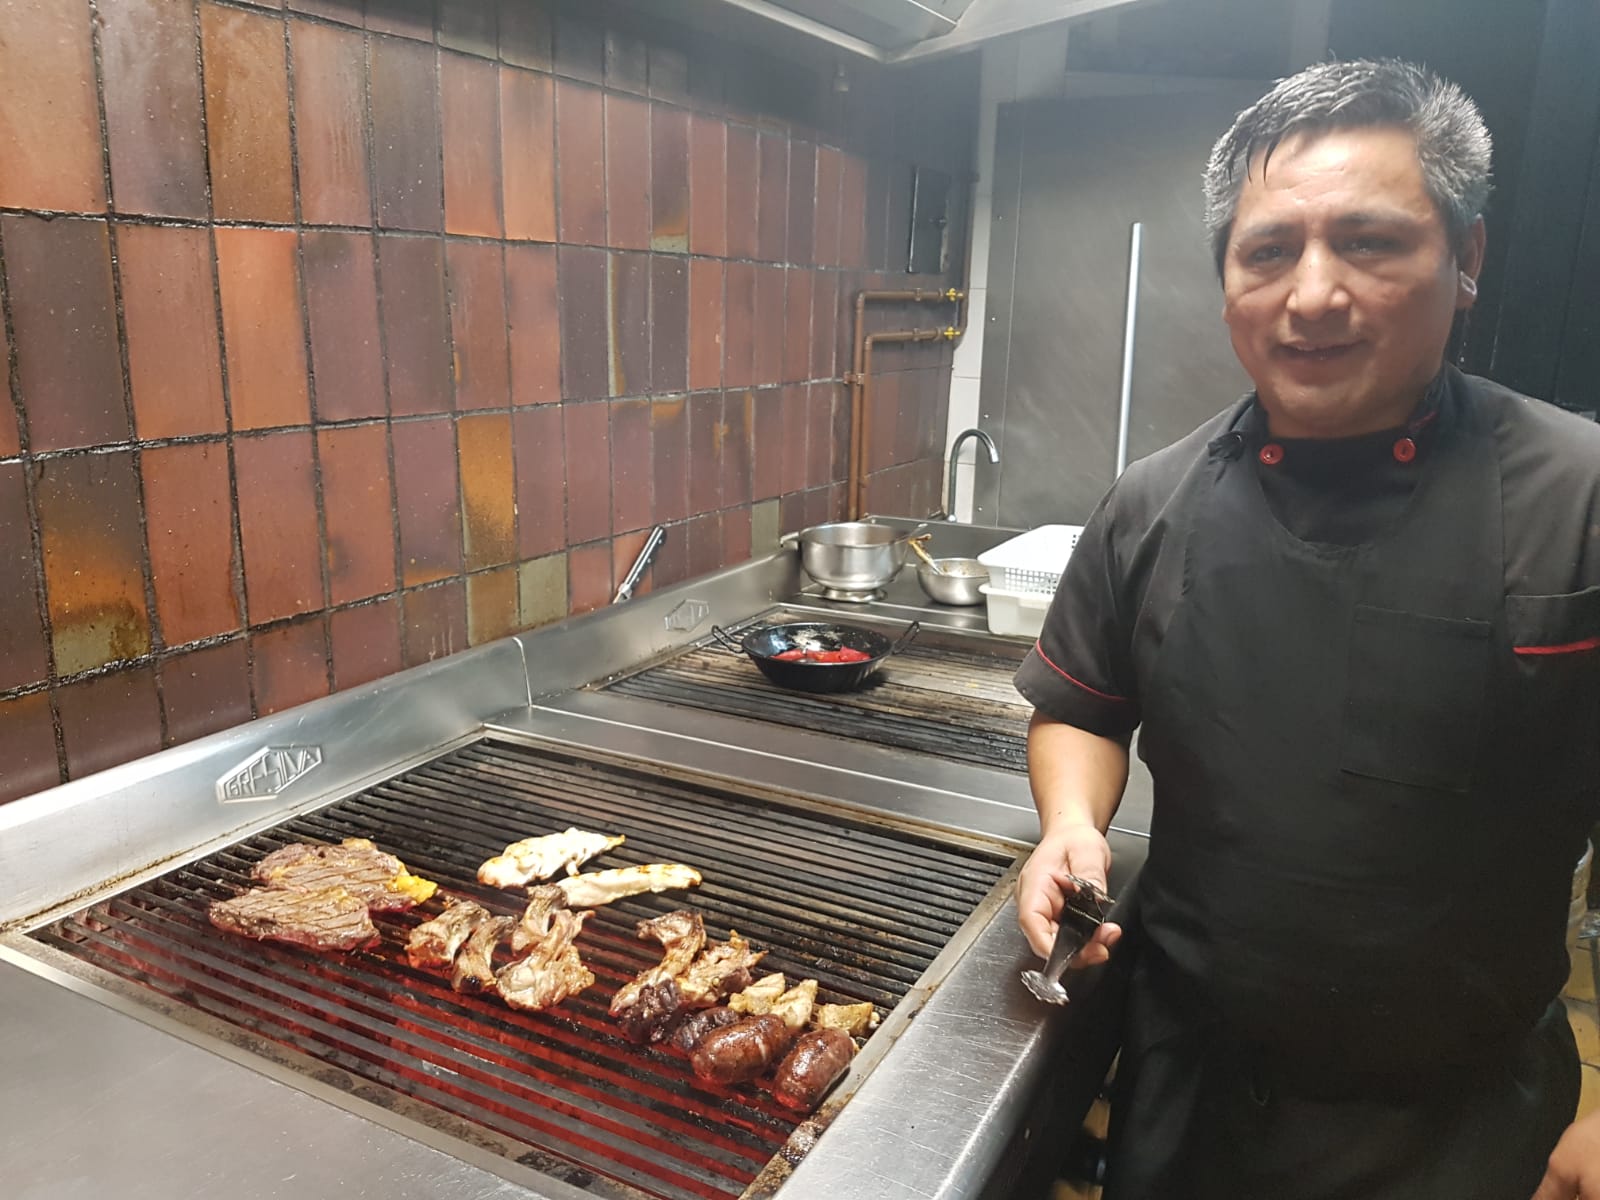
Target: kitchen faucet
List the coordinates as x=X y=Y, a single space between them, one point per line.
x=955 y=454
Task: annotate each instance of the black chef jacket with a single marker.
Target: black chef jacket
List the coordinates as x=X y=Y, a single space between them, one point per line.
x=1367 y=673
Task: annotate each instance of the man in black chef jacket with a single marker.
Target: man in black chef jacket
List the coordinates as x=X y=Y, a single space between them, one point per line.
x=1356 y=618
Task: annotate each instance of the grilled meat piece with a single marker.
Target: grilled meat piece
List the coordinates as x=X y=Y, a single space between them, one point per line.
x=355 y=864
x=686 y=1034
x=552 y=970
x=434 y=943
x=328 y=918
x=718 y=971
x=681 y=934
x=758 y=997
x=741 y=1051
x=475 y=964
x=795 y=1005
x=854 y=1019
x=541 y=857
x=652 y=1012
x=535 y=924
x=812 y=1066
x=594 y=888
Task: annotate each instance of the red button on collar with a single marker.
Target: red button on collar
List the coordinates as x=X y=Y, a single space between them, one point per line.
x=1271 y=454
x=1405 y=450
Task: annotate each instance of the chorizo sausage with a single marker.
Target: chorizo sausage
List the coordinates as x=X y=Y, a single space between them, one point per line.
x=741 y=1051
x=813 y=1066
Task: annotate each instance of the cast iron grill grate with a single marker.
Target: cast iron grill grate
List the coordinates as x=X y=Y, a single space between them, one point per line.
x=863 y=908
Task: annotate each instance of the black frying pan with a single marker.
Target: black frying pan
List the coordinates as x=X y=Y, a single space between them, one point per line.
x=763 y=645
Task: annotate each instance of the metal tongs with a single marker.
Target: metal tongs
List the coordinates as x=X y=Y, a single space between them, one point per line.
x=1084 y=912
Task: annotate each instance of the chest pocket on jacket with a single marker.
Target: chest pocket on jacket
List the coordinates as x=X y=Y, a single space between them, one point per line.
x=1555 y=648
x=1415 y=698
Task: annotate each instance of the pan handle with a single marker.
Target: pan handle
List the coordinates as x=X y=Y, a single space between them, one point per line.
x=905 y=638
x=726 y=640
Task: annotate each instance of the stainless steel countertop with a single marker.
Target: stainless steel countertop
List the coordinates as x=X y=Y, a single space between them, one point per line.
x=102 y=1097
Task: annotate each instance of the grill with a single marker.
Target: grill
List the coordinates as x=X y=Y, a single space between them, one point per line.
x=935 y=699
x=864 y=908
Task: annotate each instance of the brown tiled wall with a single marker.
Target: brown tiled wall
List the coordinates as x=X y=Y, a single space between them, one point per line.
x=341 y=335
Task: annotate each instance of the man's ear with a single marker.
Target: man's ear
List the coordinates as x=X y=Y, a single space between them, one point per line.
x=1469 y=262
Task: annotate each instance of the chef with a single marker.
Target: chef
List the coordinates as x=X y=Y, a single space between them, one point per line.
x=1356 y=621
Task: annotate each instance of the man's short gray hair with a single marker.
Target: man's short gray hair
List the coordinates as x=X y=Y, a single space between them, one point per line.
x=1453 y=143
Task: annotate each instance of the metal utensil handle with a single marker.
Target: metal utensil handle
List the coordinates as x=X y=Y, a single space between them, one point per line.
x=905 y=638
x=1130 y=325
x=631 y=581
x=726 y=640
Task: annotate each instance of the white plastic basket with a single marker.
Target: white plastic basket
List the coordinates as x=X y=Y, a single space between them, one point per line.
x=1032 y=561
x=1016 y=614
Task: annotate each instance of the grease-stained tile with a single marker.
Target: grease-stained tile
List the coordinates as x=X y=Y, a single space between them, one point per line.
x=772 y=203
x=588 y=446
x=627 y=61
x=342 y=304
x=488 y=490
x=705 y=323
x=541 y=466
x=109 y=720
x=206 y=690
x=491 y=605
x=533 y=324
x=795 y=426
x=262 y=330
x=528 y=154
x=669 y=179
x=589 y=576
x=819 y=434
x=669 y=72
x=478 y=325
x=826 y=237
x=408 y=174
x=632 y=465
x=427 y=483
x=581 y=170
x=839 y=456
x=330 y=124
x=346 y=12
x=405 y=18
x=764 y=528
x=525 y=34
x=742 y=191
x=188 y=499
x=876 y=240
x=416 y=325
x=802 y=202
x=435 y=623
x=736 y=535
x=705 y=471
x=542 y=590
x=881 y=420
x=853 y=213
x=366 y=642
x=247 y=114
x=64 y=320
x=50 y=138
x=469 y=26
x=278 y=525
x=627 y=169
x=27 y=746
x=149 y=62
x=770 y=289
x=766 y=442
x=10 y=435
x=585 y=337
x=797 y=347
x=825 y=320
x=170 y=312
x=708 y=185
x=628 y=302
x=669 y=323
x=703 y=538
x=669 y=442
x=359 y=514
x=93 y=559
x=580 y=47
x=739 y=346
x=469 y=100
x=671 y=563
x=289 y=665
x=23 y=659
x=733 y=447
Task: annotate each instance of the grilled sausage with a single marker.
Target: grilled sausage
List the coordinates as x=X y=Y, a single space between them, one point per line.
x=686 y=1034
x=813 y=1066
x=740 y=1051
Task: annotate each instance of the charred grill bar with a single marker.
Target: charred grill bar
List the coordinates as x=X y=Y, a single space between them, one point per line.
x=863 y=908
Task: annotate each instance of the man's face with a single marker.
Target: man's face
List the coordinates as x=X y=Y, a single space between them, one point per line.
x=1340 y=284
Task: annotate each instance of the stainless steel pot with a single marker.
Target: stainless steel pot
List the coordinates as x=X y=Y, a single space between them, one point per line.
x=851 y=556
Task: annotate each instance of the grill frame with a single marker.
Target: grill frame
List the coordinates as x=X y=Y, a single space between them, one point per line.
x=461 y=1139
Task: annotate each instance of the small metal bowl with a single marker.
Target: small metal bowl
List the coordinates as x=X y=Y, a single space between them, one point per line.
x=958 y=584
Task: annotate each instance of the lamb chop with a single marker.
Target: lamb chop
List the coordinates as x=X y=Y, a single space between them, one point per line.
x=328 y=918
x=474 y=970
x=594 y=888
x=552 y=970
x=646 y=1003
x=380 y=880
x=649 y=1012
x=434 y=943
x=543 y=903
x=541 y=857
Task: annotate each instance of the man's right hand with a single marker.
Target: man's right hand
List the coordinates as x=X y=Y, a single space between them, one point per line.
x=1072 y=850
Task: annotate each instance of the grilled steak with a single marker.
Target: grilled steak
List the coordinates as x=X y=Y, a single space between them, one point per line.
x=355 y=864
x=324 y=919
x=541 y=857
x=434 y=943
x=551 y=971
x=475 y=964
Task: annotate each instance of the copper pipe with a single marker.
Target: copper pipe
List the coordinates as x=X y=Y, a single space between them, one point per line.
x=859 y=377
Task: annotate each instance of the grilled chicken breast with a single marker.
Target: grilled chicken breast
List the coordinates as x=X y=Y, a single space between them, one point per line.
x=355 y=864
x=594 y=888
x=539 y=858
x=434 y=943
x=330 y=918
